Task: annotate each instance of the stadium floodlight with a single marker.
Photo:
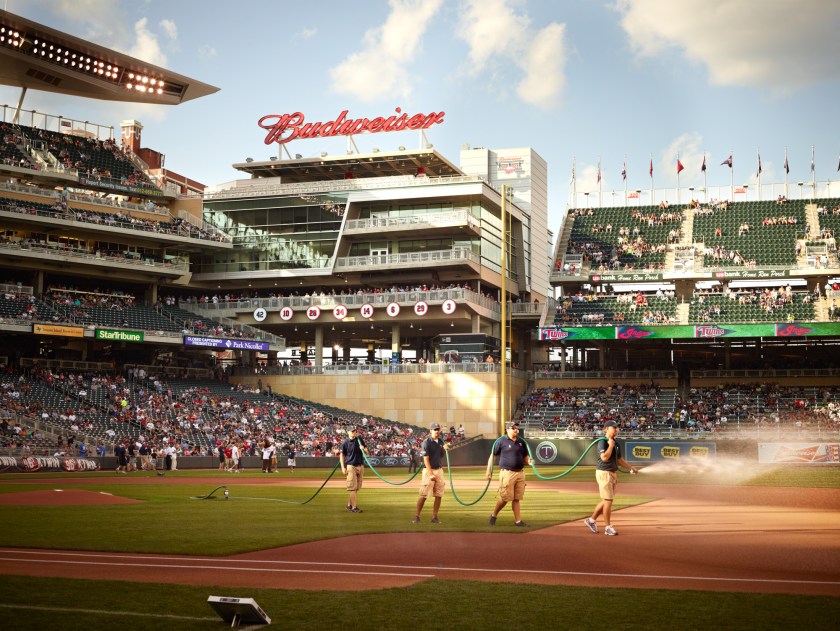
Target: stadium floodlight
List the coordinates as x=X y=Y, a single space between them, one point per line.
x=238 y=610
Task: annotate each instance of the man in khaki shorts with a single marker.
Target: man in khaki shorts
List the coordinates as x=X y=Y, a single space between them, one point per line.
x=513 y=458
x=352 y=460
x=609 y=459
x=431 y=484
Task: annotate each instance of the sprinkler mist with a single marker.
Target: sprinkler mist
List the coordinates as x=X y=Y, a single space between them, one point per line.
x=710 y=470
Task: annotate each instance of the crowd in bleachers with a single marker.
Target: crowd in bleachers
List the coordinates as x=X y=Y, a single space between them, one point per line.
x=721 y=303
x=120 y=219
x=574 y=411
x=586 y=308
x=646 y=409
x=194 y=418
x=762 y=405
x=95 y=158
x=64 y=304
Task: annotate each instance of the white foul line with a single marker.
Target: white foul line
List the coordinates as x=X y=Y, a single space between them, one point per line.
x=220 y=567
x=145 y=559
x=107 y=612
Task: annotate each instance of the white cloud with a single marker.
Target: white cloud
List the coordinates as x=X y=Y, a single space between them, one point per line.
x=688 y=147
x=146 y=45
x=777 y=44
x=492 y=29
x=207 y=52
x=543 y=65
x=309 y=33
x=587 y=181
x=168 y=27
x=380 y=70
x=497 y=35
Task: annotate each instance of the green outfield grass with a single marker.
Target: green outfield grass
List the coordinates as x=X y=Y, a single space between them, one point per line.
x=36 y=603
x=259 y=519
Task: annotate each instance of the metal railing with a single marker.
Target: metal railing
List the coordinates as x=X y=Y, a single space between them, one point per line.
x=455 y=217
x=16 y=289
x=410 y=258
x=540 y=373
x=105 y=202
x=248 y=332
x=262 y=189
x=375 y=369
x=328 y=301
x=70 y=217
x=68 y=254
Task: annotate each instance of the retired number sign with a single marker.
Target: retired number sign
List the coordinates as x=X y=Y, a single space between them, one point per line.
x=339 y=312
x=287 y=313
x=393 y=309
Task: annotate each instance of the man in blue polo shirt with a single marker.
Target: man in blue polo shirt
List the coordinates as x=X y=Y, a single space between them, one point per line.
x=609 y=458
x=513 y=458
x=431 y=484
x=352 y=465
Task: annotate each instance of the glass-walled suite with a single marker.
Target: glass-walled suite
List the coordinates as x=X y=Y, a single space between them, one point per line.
x=488 y=246
x=274 y=233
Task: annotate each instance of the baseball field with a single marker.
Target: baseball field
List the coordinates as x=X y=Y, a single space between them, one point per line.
x=734 y=547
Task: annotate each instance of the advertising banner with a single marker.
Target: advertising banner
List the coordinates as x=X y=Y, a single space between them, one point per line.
x=650 y=451
x=225 y=344
x=61 y=331
x=119 y=336
x=32 y=464
x=644 y=332
x=799 y=453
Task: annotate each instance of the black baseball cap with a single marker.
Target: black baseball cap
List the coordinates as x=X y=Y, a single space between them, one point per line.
x=434 y=426
x=610 y=424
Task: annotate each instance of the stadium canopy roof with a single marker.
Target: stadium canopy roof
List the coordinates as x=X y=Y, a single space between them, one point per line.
x=34 y=56
x=358 y=165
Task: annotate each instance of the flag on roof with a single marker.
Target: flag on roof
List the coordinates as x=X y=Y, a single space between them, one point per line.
x=651 y=167
x=759 y=165
x=599 y=170
x=680 y=166
x=703 y=168
x=728 y=161
x=787 y=168
x=624 y=172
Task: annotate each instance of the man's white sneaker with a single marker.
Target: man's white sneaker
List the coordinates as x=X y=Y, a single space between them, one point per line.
x=609 y=530
x=593 y=525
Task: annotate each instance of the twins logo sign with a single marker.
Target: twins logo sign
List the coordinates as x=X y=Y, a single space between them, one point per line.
x=546 y=452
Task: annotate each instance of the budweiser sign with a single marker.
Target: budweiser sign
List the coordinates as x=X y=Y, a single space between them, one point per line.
x=283 y=128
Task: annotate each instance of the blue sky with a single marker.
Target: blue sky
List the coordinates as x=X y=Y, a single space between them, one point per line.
x=583 y=81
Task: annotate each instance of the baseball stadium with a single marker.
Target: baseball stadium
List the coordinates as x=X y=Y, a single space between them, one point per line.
x=195 y=375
